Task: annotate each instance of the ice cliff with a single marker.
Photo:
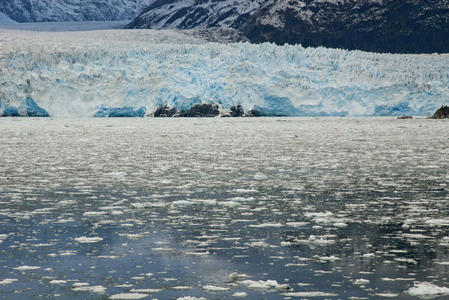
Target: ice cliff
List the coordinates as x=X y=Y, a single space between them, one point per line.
x=79 y=74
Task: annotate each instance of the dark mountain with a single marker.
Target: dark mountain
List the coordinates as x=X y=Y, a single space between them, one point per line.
x=193 y=14
x=400 y=26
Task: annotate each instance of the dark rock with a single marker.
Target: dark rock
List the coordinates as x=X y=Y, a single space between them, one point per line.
x=121 y=112
x=405 y=117
x=201 y=111
x=442 y=113
x=254 y=113
x=165 y=112
x=237 y=111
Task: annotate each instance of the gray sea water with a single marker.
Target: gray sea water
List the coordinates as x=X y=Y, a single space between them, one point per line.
x=297 y=208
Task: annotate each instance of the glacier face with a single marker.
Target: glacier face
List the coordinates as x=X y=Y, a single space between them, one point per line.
x=78 y=73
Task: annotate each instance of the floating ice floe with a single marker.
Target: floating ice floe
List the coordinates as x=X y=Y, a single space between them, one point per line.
x=128 y=296
x=387 y=295
x=213 y=288
x=56 y=281
x=27 y=268
x=8 y=281
x=85 y=287
x=260 y=176
x=361 y=281
x=182 y=203
x=88 y=240
x=239 y=295
x=267 y=225
x=437 y=222
x=309 y=294
x=426 y=290
x=265 y=284
x=236 y=276
x=94 y=213
x=149 y=291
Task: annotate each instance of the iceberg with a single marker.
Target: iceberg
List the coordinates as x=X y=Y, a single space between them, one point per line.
x=123 y=72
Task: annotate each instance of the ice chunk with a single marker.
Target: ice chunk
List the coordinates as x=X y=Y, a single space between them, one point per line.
x=426 y=290
x=84 y=287
x=129 y=296
x=88 y=240
x=55 y=281
x=309 y=294
x=361 y=281
x=7 y=281
x=121 y=112
x=27 y=268
x=267 y=284
x=182 y=203
x=239 y=294
x=213 y=288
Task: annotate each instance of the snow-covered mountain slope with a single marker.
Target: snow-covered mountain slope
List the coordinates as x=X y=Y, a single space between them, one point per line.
x=72 y=10
x=5 y=20
x=404 y=26
x=398 y=26
x=79 y=73
x=188 y=14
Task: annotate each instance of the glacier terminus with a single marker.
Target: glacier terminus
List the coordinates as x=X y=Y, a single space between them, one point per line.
x=76 y=74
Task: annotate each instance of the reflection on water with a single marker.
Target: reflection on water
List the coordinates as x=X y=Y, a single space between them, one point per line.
x=218 y=208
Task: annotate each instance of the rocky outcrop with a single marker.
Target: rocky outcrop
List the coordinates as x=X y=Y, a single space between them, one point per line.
x=442 y=113
x=165 y=112
x=254 y=113
x=205 y=110
x=237 y=111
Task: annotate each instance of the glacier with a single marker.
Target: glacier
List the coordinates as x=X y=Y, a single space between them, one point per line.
x=76 y=74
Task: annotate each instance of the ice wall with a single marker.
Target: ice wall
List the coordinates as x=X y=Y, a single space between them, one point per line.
x=75 y=74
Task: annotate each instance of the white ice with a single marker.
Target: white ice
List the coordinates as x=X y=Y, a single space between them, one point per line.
x=75 y=73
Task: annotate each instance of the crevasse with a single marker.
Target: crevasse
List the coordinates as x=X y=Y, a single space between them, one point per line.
x=75 y=74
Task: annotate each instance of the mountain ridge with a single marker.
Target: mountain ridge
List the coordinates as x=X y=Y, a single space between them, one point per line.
x=396 y=26
x=24 y=11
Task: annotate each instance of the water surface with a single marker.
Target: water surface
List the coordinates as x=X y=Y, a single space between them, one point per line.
x=268 y=208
